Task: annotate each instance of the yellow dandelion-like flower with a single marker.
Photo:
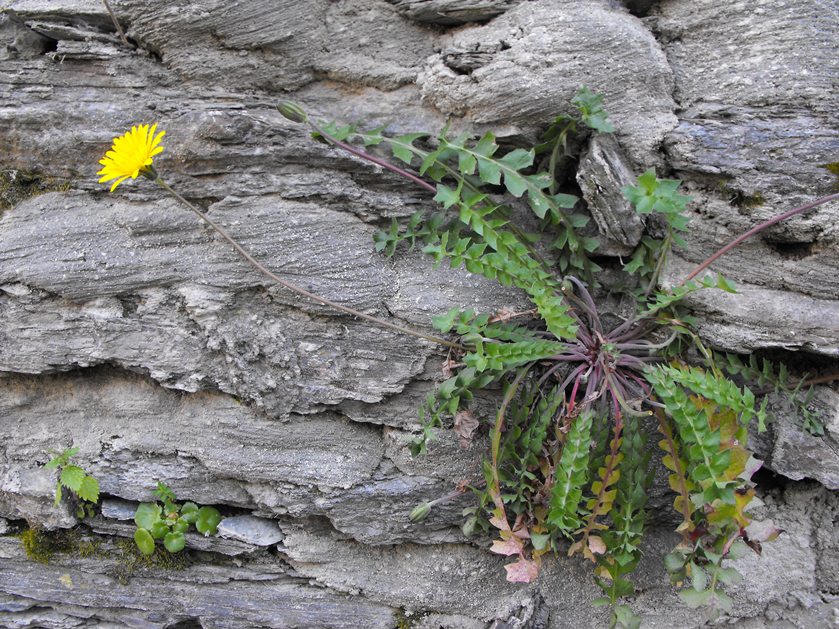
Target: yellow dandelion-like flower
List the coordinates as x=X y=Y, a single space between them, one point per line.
x=131 y=154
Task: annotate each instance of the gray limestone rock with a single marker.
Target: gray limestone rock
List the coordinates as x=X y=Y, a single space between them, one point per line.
x=129 y=330
x=28 y=494
x=790 y=450
x=260 y=593
x=251 y=530
x=117 y=509
x=758 y=318
x=538 y=65
x=452 y=12
x=603 y=172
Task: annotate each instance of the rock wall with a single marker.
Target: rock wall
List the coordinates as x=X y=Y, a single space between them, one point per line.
x=129 y=330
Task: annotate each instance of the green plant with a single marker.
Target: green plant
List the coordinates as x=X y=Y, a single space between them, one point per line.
x=83 y=486
x=167 y=520
x=568 y=467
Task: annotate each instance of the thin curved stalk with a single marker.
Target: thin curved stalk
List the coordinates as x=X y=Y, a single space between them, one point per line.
x=401 y=171
x=292 y=287
x=349 y=148
x=116 y=24
x=758 y=228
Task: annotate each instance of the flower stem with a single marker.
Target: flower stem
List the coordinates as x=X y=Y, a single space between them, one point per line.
x=349 y=148
x=296 y=289
x=758 y=228
x=116 y=24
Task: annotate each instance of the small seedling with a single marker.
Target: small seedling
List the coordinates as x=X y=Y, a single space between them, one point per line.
x=82 y=485
x=167 y=520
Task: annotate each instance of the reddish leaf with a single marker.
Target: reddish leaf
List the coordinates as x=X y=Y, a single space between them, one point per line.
x=511 y=546
x=465 y=425
x=499 y=520
x=763 y=531
x=596 y=545
x=522 y=571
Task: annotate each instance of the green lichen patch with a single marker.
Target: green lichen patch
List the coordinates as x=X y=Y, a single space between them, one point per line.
x=41 y=546
x=16 y=185
x=129 y=560
x=833 y=168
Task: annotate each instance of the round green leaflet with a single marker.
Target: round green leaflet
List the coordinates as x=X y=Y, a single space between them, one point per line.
x=159 y=529
x=174 y=542
x=147 y=514
x=208 y=521
x=189 y=512
x=144 y=540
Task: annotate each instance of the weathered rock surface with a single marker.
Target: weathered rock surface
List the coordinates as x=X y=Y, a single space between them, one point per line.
x=760 y=125
x=603 y=173
x=128 y=330
x=536 y=65
x=450 y=12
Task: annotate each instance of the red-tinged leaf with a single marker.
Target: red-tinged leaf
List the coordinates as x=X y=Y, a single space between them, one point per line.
x=763 y=531
x=609 y=498
x=511 y=546
x=465 y=425
x=499 y=521
x=741 y=502
x=739 y=458
x=752 y=466
x=596 y=545
x=522 y=571
x=675 y=483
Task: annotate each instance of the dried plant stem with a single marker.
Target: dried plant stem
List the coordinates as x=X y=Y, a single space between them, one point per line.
x=296 y=289
x=349 y=148
x=758 y=228
x=116 y=24
x=417 y=180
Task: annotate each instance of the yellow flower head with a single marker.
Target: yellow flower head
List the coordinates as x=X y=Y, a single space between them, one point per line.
x=130 y=154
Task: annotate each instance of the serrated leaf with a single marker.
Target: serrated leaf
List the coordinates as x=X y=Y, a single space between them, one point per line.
x=511 y=546
x=596 y=545
x=518 y=159
x=540 y=540
x=698 y=578
x=466 y=163
x=489 y=171
x=446 y=196
x=402 y=152
x=674 y=561
x=515 y=183
x=72 y=477
x=724 y=284
x=89 y=489
x=522 y=571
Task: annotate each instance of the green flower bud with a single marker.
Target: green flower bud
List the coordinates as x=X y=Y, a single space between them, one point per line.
x=469 y=526
x=292 y=111
x=420 y=512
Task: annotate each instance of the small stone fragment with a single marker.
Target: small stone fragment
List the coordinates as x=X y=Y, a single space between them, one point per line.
x=604 y=171
x=251 y=529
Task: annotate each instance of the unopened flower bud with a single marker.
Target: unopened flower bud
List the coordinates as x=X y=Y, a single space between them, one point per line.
x=469 y=526
x=420 y=512
x=292 y=111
